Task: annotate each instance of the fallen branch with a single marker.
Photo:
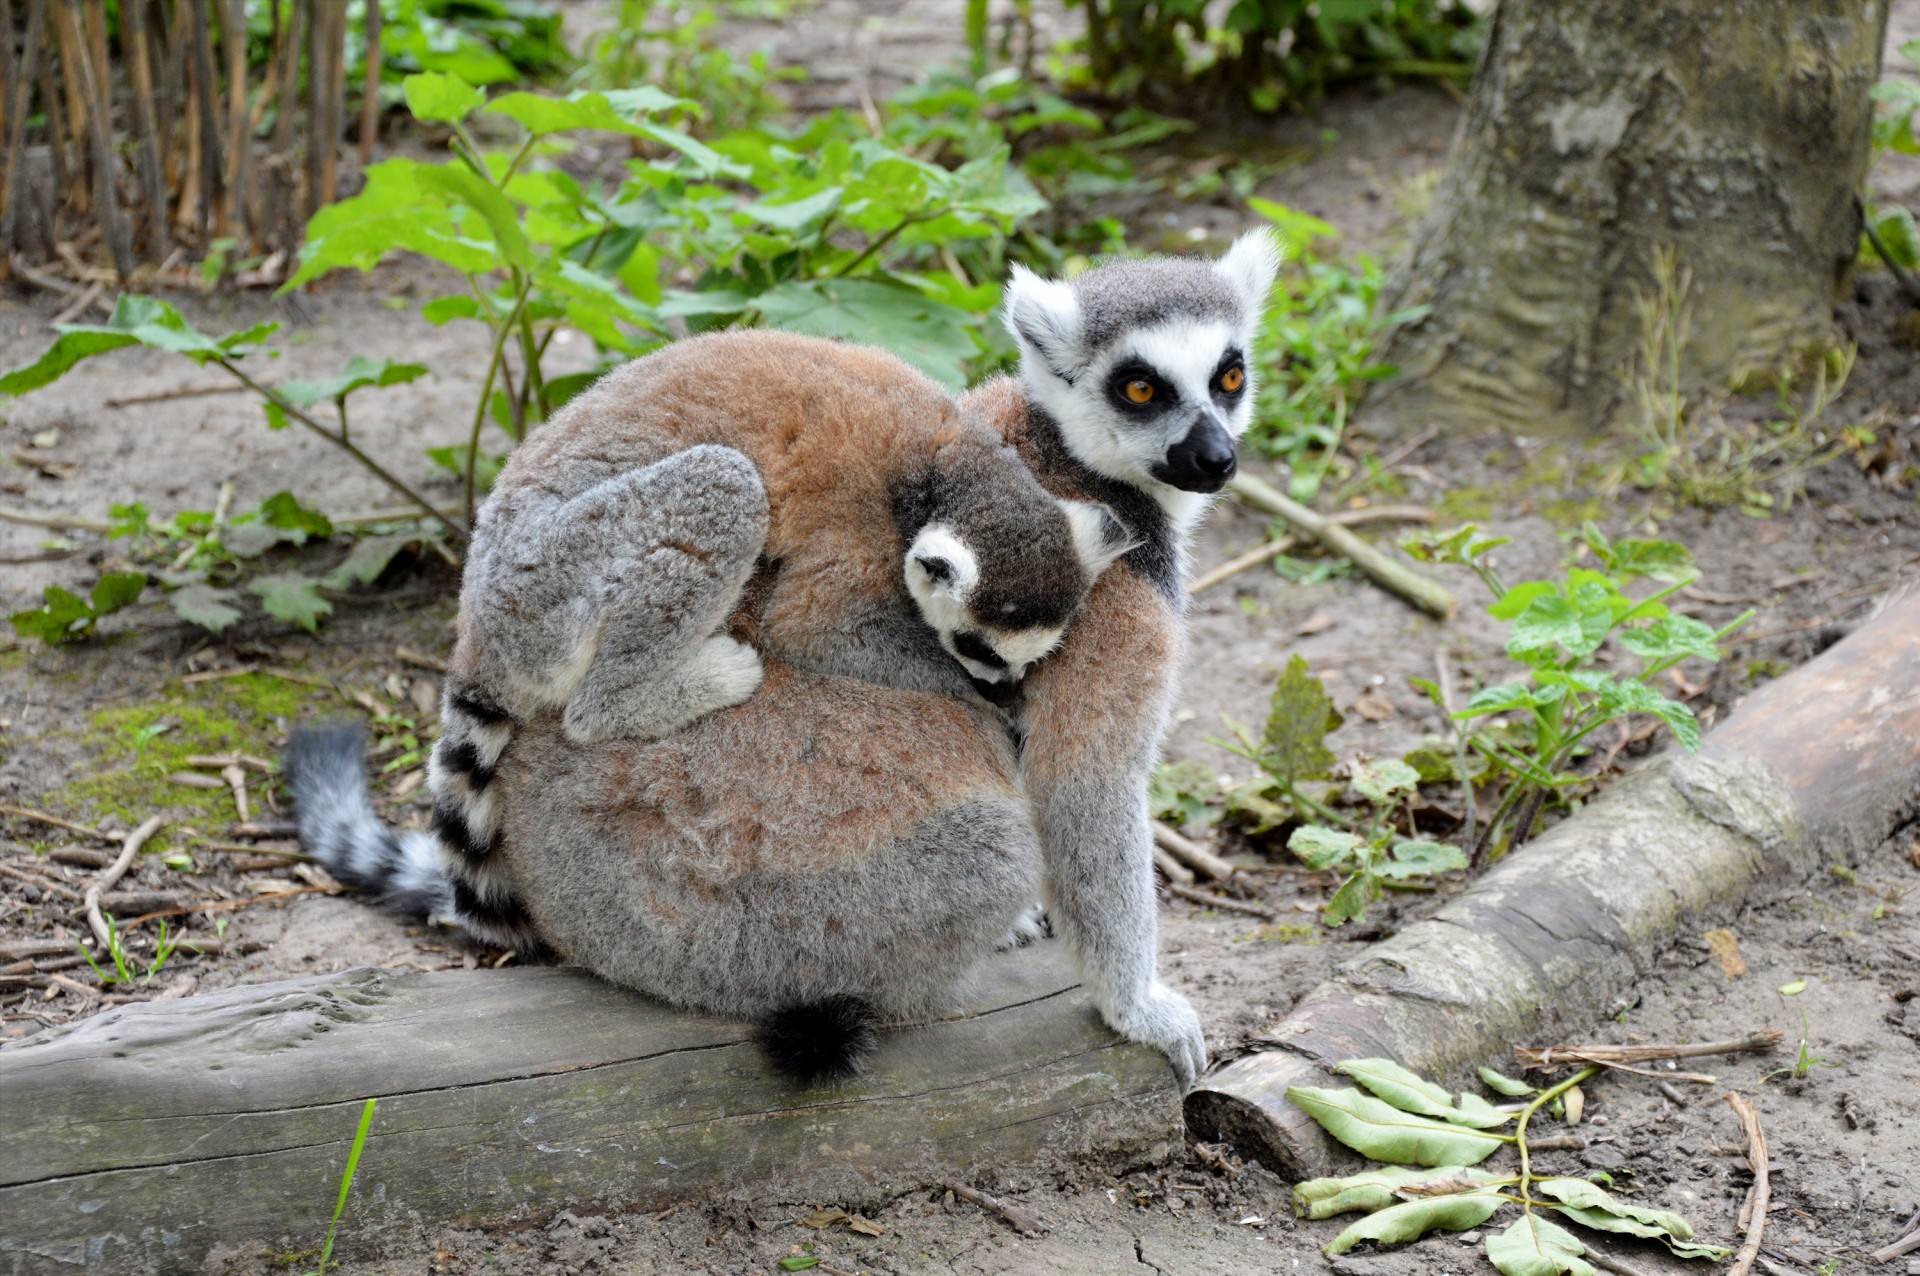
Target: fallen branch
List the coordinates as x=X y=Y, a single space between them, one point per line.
x=1172 y=869
x=111 y=875
x=1753 y=1215
x=1395 y=577
x=1191 y=853
x=1239 y=563
x=1022 y=1221
x=41 y=817
x=54 y=522
x=180 y=392
x=1548 y=1057
x=1905 y=1243
x=1210 y=900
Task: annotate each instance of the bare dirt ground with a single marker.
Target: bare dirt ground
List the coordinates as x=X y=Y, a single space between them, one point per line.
x=93 y=732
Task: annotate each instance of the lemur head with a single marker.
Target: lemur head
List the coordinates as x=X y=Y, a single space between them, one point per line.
x=1144 y=363
x=996 y=564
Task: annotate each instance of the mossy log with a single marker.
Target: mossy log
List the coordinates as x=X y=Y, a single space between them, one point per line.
x=1598 y=134
x=1818 y=766
x=175 y=1136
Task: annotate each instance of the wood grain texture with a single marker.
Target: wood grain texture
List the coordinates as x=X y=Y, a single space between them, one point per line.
x=170 y=1137
x=1819 y=766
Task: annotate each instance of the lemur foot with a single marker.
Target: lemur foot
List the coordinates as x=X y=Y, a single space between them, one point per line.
x=1165 y=1020
x=1031 y=926
x=720 y=674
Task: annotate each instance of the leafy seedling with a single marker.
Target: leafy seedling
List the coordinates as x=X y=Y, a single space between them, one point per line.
x=123 y=971
x=1435 y=1142
x=346 y=1184
x=66 y=617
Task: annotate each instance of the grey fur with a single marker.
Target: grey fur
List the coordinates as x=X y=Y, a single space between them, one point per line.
x=325 y=769
x=1126 y=296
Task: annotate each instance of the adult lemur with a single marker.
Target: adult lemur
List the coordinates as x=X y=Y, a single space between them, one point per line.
x=879 y=861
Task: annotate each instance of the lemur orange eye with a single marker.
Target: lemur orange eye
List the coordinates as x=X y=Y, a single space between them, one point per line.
x=1232 y=379
x=1139 y=391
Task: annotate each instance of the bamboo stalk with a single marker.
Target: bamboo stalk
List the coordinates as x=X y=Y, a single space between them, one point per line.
x=164 y=34
x=17 y=117
x=93 y=81
x=133 y=27
x=66 y=38
x=205 y=87
x=233 y=38
x=336 y=103
x=282 y=194
x=370 y=93
x=318 y=77
x=1396 y=578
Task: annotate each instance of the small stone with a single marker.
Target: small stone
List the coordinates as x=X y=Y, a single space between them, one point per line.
x=1469 y=1238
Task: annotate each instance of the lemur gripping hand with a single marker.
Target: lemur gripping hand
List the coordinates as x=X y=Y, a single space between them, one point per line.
x=1165 y=1020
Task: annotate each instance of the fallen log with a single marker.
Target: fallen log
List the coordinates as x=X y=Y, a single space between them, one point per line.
x=166 y=1137
x=1821 y=764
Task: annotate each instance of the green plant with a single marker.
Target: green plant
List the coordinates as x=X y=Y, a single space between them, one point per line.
x=346 y=1184
x=1557 y=628
x=123 y=971
x=1315 y=350
x=1805 y=1060
x=1374 y=857
x=66 y=617
x=671 y=46
x=1274 y=52
x=1431 y=1143
x=481 y=41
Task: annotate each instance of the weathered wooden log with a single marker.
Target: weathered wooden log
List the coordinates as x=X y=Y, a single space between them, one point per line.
x=1821 y=764
x=158 y=1137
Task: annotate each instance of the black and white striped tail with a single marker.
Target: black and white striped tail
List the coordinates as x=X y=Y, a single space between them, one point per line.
x=474 y=732
x=404 y=871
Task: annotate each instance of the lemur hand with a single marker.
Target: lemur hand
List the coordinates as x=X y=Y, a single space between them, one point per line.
x=1164 y=1020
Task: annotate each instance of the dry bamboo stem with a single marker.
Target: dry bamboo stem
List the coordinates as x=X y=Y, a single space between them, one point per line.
x=1573 y=1056
x=205 y=88
x=233 y=38
x=93 y=82
x=1396 y=578
x=318 y=143
x=17 y=118
x=1191 y=853
x=50 y=102
x=281 y=194
x=151 y=146
x=66 y=38
x=370 y=94
x=336 y=102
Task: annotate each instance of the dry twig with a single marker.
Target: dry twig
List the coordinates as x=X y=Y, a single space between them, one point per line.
x=1191 y=853
x=110 y=875
x=1022 y=1221
x=1221 y=901
x=1395 y=577
x=1754 y=1213
x=41 y=817
x=1547 y=1057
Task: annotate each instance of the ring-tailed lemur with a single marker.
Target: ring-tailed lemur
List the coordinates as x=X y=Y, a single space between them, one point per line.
x=823 y=878
x=841 y=489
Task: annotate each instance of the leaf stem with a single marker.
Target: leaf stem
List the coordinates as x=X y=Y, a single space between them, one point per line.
x=506 y=329
x=1526 y=1115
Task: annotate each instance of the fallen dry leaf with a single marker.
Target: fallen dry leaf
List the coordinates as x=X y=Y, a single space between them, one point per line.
x=1913 y=855
x=1373 y=706
x=865 y=1226
x=1575 y=1102
x=1318 y=623
x=825 y=1218
x=1726 y=951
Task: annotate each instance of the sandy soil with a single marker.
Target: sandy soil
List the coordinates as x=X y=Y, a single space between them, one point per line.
x=1853 y=935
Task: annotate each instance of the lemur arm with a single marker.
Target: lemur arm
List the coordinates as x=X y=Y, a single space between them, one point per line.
x=1094 y=713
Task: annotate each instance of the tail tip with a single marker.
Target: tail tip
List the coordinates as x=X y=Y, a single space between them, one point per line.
x=826 y=1040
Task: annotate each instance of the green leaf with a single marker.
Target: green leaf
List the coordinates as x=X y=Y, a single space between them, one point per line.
x=798 y=1262
x=617 y=112
x=1503 y=1084
x=444 y=310
x=1532 y=1246
x=368 y=561
x=73 y=345
x=145 y=321
x=1378 y=1130
x=1297 y=230
x=1508 y=697
x=359 y=373
x=1417 y=858
x=116 y=590
x=1585 y=1203
x=1382 y=782
x=247 y=540
x=462 y=185
x=203 y=605
x=934 y=337
x=1625 y=696
x=1320 y=847
x=1374 y=1189
x=1520 y=597
x=1671 y=637
x=797 y=214
x=1410 y=1092
x=285 y=513
x=1293 y=745
x=61 y=617
x=441 y=98
x=1576 y=625
x=1464 y=545
x=1350 y=901
x=1411 y=1220
x=292 y=598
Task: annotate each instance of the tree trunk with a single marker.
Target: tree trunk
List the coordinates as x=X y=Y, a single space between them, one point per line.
x=1597 y=137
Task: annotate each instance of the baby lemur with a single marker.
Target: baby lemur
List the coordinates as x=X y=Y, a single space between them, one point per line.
x=837 y=847
x=887 y=537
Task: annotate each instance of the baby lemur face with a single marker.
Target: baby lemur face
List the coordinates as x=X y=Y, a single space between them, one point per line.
x=998 y=586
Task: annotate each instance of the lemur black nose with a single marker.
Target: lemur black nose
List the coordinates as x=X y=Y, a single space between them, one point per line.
x=1203 y=461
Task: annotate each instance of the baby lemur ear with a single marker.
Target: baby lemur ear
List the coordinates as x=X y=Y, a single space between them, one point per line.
x=1098 y=537
x=1044 y=317
x=1250 y=266
x=942 y=562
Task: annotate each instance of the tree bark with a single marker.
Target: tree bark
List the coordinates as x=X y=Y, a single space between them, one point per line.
x=1597 y=135
x=160 y=1137
x=1817 y=767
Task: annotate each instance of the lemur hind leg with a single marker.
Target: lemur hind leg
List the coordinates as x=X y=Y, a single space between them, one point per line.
x=617 y=598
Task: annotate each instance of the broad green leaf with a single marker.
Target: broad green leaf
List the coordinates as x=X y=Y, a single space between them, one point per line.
x=1585 y=1203
x=116 y=590
x=1410 y=1092
x=1532 y=1246
x=797 y=214
x=444 y=310
x=248 y=540
x=1381 y=782
x=441 y=98
x=69 y=348
x=143 y=321
x=616 y=112
x=1411 y=1220
x=284 y=512
x=1576 y=625
x=1508 y=697
x=1673 y=636
x=1520 y=597
x=1658 y=560
x=1626 y=696
x=1350 y=901
x=359 y=373
x=292 y=598
x=1374 y=1189
x=203 y=605
x=1293 y=745
x=458 y=183
x=932 y=336
x=1503 y=1084
x=1320 y=847
x=1381 y=1131
x=61 y=617
x=1463 y=545
x=1416 y=858
x=1297 y=230
x=367 y=561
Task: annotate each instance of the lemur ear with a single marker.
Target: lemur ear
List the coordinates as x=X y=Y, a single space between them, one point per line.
x=1044 y=317
x=1098 y=537
x=1250 y=266
x=940 y=562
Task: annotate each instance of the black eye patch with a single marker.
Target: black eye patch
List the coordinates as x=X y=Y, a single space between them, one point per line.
x=971 y=646
x=1164 y=396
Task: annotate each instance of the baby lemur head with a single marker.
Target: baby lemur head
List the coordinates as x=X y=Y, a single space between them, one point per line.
x=996 y=564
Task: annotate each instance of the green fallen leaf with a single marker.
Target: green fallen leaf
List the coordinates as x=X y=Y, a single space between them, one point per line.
x=1381 y=1131
x=1374 y=1189
x=1411 y=1220
x=1408 y=1092
x=203 y=605
x=1532 y=1246
x=1503 y=1084
x=367 y=561
x=284 y=512
x=1793 y=989
x=292 y=598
